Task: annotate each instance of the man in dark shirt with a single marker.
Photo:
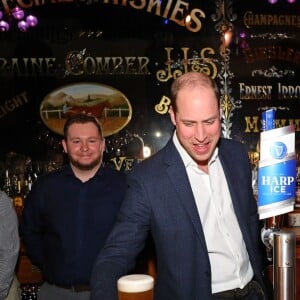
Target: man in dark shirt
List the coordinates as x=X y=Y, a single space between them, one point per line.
x=69 y=212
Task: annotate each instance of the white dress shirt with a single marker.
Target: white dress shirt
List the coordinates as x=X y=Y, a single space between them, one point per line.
x=229 y=260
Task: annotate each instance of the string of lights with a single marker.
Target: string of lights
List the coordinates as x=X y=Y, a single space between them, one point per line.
x=16 y=14
x=275 y=1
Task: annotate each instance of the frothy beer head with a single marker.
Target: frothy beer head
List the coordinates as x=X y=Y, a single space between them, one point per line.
x=135 y=283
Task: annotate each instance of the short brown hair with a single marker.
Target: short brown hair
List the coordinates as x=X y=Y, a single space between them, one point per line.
x=82 y=119
x=192 y=79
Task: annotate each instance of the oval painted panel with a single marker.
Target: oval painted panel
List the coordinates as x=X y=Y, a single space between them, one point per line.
x=108 y=104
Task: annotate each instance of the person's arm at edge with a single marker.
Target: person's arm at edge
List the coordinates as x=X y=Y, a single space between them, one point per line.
x=9 y=244
x=30 y=227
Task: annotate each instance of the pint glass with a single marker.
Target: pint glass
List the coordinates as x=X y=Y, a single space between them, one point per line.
x=135 y=287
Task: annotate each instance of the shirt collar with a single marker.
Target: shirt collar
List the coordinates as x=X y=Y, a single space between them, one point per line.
x=69 y=171
x=187 y=160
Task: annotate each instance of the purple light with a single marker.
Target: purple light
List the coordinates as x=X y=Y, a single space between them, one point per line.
x=18 y=13
x=4 y=26
x=272 y=1
x=22 y=25
x=291 y=1
x=243 y=44
x=31 y=20
x=243 y=35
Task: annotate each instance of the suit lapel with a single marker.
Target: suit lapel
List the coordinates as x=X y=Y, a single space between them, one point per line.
x=179 y=179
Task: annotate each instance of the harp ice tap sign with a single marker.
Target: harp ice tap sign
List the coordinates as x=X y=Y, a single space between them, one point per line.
x=277 y=169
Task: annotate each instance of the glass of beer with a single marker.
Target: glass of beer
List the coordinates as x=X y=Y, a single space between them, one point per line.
x=136 y=287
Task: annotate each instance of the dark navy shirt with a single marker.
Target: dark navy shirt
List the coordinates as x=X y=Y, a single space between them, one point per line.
x=65 y=222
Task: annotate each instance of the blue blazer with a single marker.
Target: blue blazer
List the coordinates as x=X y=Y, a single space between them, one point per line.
x=160 y=200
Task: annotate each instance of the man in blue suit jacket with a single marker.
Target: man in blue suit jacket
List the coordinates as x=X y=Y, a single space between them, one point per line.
x=195 y=198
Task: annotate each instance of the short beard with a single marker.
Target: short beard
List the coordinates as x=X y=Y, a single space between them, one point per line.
x=86 y=167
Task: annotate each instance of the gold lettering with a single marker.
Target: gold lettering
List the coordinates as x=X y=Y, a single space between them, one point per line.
x=115 y=2
x=271 y=52
x=10 y=104
x=15 y=66
x=128 y=164
x=134 y=4
x=295 y=122
x=103 y=67
x=195 y=25
x=285 y=122
x=89 y=65
x=157 y=7
x=255 y=91
x=288 y=91
x=123 y=163
x=39 y=2
x=206 y=64
x=163 y=106
x=280 y=123
x=167 y=9
x=28 y=66
x=251 y=20
x=3 y=111
x=110 y=65
x=3 y=64
x=6 y=6
x=163 y=75
x=117 y=64
x=143 y=65
x=36 y=65
x=180 y=8
x=203 y=64
x=118 y=162
x=13 y=103
x=130 y=65
x=50 y=64
x=251 y=126
x=25 y=4
x=153 y=4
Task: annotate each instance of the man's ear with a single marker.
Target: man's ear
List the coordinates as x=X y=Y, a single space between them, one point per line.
x=64 y=144
x=103 y=145
x=172 y=115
